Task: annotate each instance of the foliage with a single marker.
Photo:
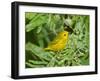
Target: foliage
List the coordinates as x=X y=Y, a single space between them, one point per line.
x=41 y=28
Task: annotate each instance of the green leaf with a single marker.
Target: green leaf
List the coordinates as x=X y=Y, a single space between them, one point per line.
x=51 y=63
x=30 y=15
x=33 y=66
x=39 y=52
x=37 y=62
x=35 y=22
x=29 y=65
x=39 y=29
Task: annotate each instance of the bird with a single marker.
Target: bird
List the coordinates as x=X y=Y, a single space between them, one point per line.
x=59 y=42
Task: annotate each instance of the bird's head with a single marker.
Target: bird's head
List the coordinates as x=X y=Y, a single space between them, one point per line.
x=63 y=34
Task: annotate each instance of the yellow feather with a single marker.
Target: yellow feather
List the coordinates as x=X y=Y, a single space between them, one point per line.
x=59 y=42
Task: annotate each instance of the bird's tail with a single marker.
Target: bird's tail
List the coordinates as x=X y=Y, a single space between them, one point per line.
x=46 y=49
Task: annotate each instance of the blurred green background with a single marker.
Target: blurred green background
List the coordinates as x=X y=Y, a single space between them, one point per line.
x=41 y=28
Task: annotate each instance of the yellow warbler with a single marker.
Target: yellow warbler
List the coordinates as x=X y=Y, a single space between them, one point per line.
x=59 y=42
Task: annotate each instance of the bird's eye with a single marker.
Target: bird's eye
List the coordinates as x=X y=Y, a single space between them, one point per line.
x=64 y=34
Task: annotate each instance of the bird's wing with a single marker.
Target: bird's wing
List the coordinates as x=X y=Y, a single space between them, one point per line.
x=55 y=41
